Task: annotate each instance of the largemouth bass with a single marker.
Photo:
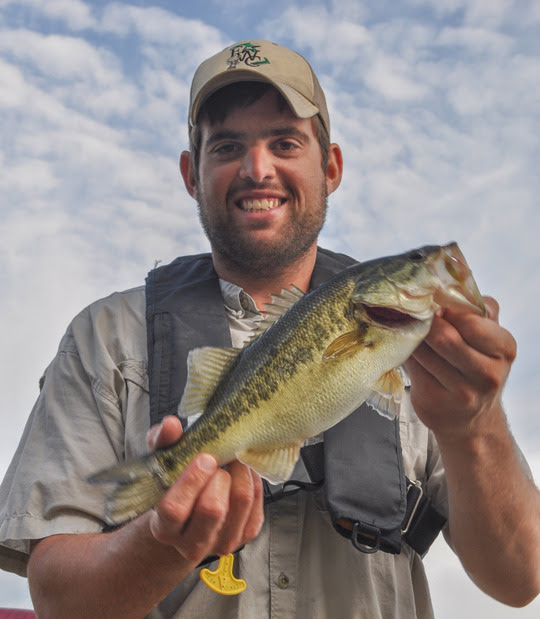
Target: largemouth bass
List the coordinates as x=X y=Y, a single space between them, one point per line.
x=315 y=359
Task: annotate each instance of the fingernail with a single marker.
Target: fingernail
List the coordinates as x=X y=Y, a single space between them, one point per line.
x=153 y=435
x=207 y=463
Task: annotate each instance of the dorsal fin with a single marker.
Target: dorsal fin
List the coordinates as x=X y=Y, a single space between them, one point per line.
x=281 y=303
x=206 y=368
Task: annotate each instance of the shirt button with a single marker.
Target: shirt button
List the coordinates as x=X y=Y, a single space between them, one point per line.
x=283 y=581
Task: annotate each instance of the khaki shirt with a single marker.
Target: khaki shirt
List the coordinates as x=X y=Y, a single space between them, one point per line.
x=92 y=411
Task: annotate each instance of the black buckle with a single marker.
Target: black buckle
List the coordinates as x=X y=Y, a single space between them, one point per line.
x=368 y=550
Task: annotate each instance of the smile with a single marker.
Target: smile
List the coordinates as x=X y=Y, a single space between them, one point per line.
x=265 y=204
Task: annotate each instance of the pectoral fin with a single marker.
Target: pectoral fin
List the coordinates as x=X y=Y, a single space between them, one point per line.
x=344 y=345
x=275 y=465
x=387 y=394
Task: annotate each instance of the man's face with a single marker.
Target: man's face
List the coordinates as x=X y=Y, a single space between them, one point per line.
x=261 y=188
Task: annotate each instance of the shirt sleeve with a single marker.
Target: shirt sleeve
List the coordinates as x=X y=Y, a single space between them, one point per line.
x=77 y=426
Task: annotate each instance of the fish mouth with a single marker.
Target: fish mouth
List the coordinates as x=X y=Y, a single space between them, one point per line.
x=458 y=290
x=433 y=277
x=388 y=316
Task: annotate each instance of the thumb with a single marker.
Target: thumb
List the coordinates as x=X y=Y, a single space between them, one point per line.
x=167 y=432
x=492 y=308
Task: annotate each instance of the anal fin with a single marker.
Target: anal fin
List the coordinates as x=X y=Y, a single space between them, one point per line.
x=275 y=465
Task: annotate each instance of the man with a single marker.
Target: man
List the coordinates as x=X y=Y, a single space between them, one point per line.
x=261 y=166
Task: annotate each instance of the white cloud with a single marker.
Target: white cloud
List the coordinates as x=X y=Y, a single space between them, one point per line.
x=492 y=14
x=477 y=40
x=76 y=14
x=391 y=78
x=72 y=69
x=325 y=37
x=161 y=28
x=12 y=86
x=30 y=176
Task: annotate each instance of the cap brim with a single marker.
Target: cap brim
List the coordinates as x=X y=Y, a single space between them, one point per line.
x=301 y=107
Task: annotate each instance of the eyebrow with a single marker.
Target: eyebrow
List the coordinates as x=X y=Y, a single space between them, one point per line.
x=229 y=134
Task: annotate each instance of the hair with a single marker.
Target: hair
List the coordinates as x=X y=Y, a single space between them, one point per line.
x=241 y=95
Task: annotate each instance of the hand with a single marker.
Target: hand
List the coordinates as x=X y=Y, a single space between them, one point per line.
x=459 y=370
x=208 y=510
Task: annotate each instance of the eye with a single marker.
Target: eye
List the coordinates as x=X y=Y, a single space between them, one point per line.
x=285 y=146
x=417 y=255
x=226 y=149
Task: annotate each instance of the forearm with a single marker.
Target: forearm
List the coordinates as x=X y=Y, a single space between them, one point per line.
x=494 y=510
x=124 y=573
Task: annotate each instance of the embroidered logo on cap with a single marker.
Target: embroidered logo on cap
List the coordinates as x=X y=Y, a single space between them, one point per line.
x=246 y=53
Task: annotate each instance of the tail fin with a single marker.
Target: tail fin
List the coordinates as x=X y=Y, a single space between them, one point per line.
x=140 y=483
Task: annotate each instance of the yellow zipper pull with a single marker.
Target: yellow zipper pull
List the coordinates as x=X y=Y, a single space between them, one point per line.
x=222 y=580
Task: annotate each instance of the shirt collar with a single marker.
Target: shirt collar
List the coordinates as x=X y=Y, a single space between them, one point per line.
x=237 y=301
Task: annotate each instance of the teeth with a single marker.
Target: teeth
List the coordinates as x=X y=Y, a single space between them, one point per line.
x=260 y=205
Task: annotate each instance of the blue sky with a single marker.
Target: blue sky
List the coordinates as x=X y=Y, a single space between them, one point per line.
x=435 y=104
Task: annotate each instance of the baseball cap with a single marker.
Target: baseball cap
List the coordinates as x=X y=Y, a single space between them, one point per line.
x=262 y=61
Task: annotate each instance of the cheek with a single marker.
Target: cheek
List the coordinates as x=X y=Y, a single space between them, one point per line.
x=217 y=181
x=315 y=184
x=305 y=182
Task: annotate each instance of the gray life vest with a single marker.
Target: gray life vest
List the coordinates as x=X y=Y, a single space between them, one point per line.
x=360 y=463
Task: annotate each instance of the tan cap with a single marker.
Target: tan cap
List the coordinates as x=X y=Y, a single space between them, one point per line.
x=261 y=61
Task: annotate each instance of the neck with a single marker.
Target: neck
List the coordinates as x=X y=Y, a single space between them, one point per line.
x=261 y=286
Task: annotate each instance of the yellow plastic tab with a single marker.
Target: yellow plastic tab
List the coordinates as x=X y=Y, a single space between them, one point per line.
x=222 y=580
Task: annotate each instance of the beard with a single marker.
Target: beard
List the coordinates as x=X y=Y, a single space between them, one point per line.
x=241 y=251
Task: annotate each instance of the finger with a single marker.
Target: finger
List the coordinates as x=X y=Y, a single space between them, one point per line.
x=201 y=533
x=256 y=516
x=466 y=338
x=492 y=308
x=164 y=433
x=444 y=354
x=445 y=367
x=151 y=436
x=432 y=378
x=241 y=500
x=173 y=511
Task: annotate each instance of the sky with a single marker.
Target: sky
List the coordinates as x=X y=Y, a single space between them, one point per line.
x=435 y=104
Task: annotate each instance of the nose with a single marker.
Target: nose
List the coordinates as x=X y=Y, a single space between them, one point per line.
x=257 y=164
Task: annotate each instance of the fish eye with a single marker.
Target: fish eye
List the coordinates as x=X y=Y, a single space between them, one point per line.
x=417 y=255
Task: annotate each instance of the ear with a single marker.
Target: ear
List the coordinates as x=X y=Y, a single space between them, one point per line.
x=188 y=173
x=335 y=168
